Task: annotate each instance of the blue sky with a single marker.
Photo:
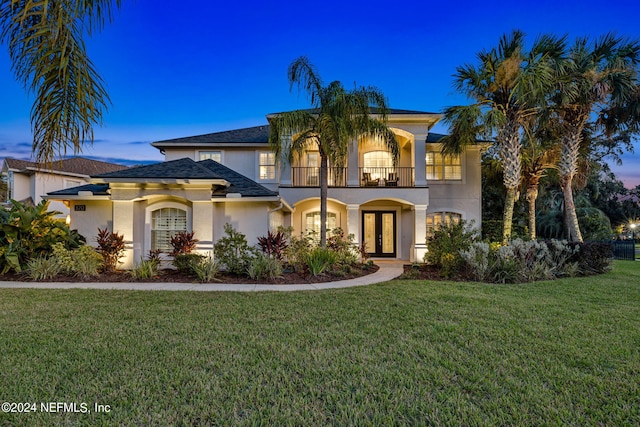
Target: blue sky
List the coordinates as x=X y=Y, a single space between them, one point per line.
x=177 y=69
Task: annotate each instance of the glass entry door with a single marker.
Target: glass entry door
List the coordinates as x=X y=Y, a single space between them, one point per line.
x=379 y=233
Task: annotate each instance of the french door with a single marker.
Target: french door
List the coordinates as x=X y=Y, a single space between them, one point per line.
x=379 y=233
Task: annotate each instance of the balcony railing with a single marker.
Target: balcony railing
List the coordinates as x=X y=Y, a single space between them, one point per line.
x=310 y=177
x=386 y=177
x=369 y=177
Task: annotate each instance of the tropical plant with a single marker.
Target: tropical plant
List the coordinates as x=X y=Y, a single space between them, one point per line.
x=598 y=79
x=338 y=116
x=49 y=58
x=28 y=232
x=42 y=268
x=206 y=269
x=320 y=259
x=111 y=247
x=506 y=88
x=274 y=244
x=264 y=267
x=145 y=269
x=183 y=243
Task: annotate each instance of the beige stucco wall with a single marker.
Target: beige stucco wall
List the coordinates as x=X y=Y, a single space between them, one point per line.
x=97 y=214
x=463 y=197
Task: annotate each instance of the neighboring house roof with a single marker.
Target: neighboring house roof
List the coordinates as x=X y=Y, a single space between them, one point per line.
x=434 y=137
x=74 y=165
x=181 y=169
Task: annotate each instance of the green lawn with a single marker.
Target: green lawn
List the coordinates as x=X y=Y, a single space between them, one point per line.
x=403 y=352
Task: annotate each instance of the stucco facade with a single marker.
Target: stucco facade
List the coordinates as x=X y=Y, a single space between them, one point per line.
x=232 y=177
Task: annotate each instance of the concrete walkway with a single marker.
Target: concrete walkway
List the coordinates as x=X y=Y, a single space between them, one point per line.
x=388 y=270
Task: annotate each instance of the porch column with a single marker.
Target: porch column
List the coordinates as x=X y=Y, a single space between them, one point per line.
x=353 y=172
x=353 y=223
x=420 y=153
x=123 y=220
x=419 y=233
x=202 y=225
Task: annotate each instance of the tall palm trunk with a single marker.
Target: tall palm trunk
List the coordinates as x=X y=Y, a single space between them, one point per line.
x=511 y=165
x=568 y=167
x=324 y=190
x=532 y=196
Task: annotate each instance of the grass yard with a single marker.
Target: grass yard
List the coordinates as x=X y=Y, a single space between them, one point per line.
x=402 y=352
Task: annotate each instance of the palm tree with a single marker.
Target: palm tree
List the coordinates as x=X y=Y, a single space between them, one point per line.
x=49 y=57
x=338 y=116
x=600 y=80
x=505 y=86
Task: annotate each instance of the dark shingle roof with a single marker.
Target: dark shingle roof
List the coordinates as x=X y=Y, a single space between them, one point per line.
x=175 y=169
x=180 y=169
x=75 y=165
x=256 y=134
x=239 y=183
x=96 y=189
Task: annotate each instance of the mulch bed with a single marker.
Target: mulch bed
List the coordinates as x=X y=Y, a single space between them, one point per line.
x=174 y=276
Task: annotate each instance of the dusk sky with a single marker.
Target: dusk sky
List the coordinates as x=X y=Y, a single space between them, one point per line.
x=178 y=69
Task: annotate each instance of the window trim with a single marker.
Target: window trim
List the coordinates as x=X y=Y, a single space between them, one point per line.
x=443 y=164
x=200 y=152
x=313 y=211
x=161 y=205
x=273 y=165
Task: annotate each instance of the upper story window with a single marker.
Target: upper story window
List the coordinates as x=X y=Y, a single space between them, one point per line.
x=166 y=222
x=216 y=156
x=443 y=168
x=378 y=164
x=436 y=219
x=266 y=165
x=70 y=183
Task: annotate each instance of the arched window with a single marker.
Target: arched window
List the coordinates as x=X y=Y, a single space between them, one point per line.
x=313 y=222
x=378 y=164
x=166 y=222
x=436 y=219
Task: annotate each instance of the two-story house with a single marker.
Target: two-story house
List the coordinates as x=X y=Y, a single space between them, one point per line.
x=28 y=182
x=391 y=207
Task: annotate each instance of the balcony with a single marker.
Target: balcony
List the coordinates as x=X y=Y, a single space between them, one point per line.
x=386 y=177
x=310 y=177
x=369 y=177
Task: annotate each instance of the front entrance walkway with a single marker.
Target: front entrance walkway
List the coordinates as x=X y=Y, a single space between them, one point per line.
x=388 y=270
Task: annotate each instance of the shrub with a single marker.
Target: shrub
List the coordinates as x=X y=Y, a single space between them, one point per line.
x=183 y=243
x=274 y=245
x=206 y=269
x=520 y=261
x=233 y=251
x=264 y=267
x=320 y=259
x=28 y=232
x=445 y=246
x=111 y=247
x=186 y=263
x=82 y=262
x=593 y=257
x=42 y=268
x=343 y=246
x=298 y=249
